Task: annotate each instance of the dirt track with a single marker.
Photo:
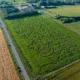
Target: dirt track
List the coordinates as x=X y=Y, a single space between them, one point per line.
x=7 y=68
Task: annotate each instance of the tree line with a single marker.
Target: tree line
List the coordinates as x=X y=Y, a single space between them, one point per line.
x=55 y=2
x=66 y=19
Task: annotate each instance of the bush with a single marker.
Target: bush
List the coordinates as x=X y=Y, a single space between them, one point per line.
x=67 y=20
x=21 y=14
x=57 y=16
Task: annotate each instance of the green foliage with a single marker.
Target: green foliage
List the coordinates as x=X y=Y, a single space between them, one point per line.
x=9 y=9
x=21 y=14
x=13 y=0
x=46 y=44
x=68 y=19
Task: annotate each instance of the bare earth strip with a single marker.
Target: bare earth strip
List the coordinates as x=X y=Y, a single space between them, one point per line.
x=7 y=68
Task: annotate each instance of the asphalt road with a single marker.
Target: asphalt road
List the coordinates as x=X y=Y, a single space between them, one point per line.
x=25 y=75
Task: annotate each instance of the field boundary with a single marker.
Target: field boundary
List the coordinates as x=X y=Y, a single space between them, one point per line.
x=27 y=67
x=56 y=72
x=9 y=53
x=13 y=57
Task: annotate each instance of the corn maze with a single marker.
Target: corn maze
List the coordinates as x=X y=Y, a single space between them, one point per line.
x=46 y=45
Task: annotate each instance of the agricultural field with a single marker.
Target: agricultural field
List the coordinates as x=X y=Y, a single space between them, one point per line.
x=69 y=11
x=45 y=44
x=7 y=68
x=75 y=26
x=72 y=72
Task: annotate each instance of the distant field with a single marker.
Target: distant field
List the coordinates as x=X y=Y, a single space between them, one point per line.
x=66 y=10
x=13 y=0
x=74 y=26
x=45 y=44
x=70 y=73
x=69 y=11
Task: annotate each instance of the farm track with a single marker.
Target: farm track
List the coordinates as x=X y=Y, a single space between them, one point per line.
x=25 y=75
x=7 y=68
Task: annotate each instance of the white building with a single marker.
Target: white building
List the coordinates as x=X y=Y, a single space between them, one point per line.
x=26 y=8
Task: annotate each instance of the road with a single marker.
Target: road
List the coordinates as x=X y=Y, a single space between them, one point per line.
x=25 y=75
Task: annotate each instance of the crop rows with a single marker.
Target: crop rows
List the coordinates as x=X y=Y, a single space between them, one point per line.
x=46 y=44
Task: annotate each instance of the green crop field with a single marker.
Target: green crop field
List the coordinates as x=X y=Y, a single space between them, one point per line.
x=46 y=44
x=73 y=72
x=66 y=10
x=70 y=73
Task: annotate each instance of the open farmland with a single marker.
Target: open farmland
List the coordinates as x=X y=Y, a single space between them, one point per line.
x=75 y=26
x=46 y=44
x=69 y=11
x=72 y=72
x=7 y=68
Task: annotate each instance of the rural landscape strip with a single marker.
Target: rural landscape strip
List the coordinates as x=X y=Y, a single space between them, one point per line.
x=7 y=68
x=14 y=51
x=41 y=34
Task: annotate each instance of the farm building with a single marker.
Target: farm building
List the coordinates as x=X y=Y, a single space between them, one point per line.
x=25 y=8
